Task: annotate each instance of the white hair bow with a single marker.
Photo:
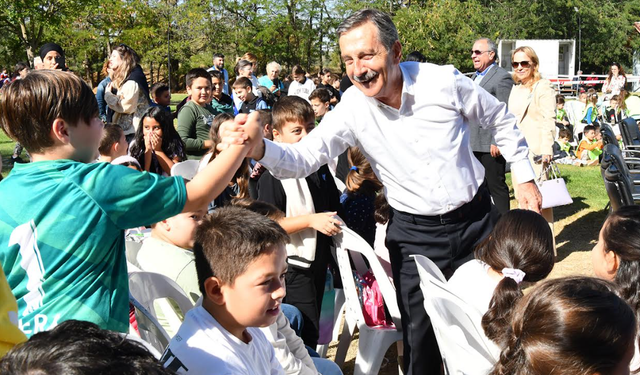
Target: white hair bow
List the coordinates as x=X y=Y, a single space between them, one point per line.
x=514 y=273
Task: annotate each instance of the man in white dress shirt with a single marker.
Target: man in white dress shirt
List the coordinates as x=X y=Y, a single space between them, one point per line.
x=411 y=122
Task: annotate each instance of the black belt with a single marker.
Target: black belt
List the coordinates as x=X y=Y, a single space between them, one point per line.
x=480 y=204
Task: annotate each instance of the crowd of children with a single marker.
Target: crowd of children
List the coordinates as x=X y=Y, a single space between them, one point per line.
x=66 y=266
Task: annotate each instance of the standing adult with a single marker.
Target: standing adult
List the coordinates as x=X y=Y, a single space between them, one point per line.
x=411 y=122
x=615 y=81
x=128 y=93
x=218 y=65
x=498 y=83
x=271 y=80
x=53 y=57
x=533 y=102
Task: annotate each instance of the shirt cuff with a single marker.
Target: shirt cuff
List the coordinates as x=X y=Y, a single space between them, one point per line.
x=271 y=154
x=523 y=171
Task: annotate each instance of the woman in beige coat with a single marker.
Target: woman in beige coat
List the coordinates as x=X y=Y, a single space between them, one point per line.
x=533 y=102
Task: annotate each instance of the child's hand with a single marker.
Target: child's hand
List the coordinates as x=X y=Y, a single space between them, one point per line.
x=147 y=143
x=156 y=142
x=232 y=134
x=325 y=223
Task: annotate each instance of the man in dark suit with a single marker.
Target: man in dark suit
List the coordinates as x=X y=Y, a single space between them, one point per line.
x=498 y=83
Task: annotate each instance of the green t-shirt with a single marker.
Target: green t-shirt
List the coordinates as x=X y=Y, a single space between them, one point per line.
x=194 y=123
x=62 y=238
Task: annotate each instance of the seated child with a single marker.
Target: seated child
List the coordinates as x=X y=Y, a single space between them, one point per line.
x=113 y=143
x=241 y=262
x=63 y=249
x=161 y=96
x=313 y=201
x=196 y=116
x=81 y=348
x=590 y=148
x=359 y=199
x=320 y=102
x=614 y=113
x=168 y=250
x=243 y=90
x=572 y=326
x=616 y=257
x=562 y=149
x=562 y=121
x=519 y=249
x=590 y=112
x=157 y=145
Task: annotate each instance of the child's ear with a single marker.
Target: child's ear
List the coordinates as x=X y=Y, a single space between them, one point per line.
x=213 y=290
x=613 y=262
x=164 y=225
x=276 y=134
x=60 y=131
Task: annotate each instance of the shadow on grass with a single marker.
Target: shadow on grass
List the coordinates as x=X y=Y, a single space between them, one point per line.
x=579 y=234
x=563 y=212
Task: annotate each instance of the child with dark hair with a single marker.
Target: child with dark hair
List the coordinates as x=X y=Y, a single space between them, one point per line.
x=241 y=263
x=313 y=201
x=113 y=143
x=157 y=145
x=63 y=248
x=616 y=257
x=195 y=117
x=300 y=86
x=562 y=121
x=161 y=96
x=320 y=102
x=569 y=326
x=221 y=102
x=563 y=150
x=590 y=148
x=249 y=102
x=519 y=249
x=81 y=348
x=359 y=200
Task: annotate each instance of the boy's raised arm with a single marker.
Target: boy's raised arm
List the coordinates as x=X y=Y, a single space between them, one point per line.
x=212 y=180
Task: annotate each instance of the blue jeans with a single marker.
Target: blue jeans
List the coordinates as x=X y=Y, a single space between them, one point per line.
x=326 y=366
x=295 y=317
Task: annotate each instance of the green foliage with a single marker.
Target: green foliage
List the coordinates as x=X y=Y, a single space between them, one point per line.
x=300 y=31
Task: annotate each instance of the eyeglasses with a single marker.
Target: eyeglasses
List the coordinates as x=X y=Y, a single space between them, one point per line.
x=477 y=52
x=524 y=64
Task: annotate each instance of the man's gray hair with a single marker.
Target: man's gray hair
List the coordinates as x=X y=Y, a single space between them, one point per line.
x=387 y=32
x=275 y=65
x=492 y=46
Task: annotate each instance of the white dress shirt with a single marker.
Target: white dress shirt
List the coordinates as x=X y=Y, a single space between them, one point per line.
x=420 y=152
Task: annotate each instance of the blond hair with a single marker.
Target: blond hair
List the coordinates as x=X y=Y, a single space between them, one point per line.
x=535 y=65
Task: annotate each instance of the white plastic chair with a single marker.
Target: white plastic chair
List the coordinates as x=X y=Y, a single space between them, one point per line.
x=187 y=169
x=131 y=251
x=463 y=345
x=149 y=328
x=374 y=341
x=148 y=287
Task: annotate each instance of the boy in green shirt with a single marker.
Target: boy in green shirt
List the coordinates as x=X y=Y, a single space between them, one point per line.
x=62 y=220
x=195 y=117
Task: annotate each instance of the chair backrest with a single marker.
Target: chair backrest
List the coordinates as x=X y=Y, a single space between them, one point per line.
x=149 y=328
x=616 y=177
x=131 y=250
x=608 y=135
x=147 y=287
x=633 y=105
x=463 y=345
x=349 y=241
x=187 y=169
x=630 y=132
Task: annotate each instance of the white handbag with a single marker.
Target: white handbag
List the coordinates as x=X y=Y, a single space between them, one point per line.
x=553 y=189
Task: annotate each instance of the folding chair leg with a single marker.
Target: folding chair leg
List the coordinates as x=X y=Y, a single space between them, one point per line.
x=345 y=341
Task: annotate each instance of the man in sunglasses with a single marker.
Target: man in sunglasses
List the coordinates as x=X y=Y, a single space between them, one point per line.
x=498 y=82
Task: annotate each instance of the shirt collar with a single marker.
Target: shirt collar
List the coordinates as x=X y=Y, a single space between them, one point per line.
x=481 y=74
